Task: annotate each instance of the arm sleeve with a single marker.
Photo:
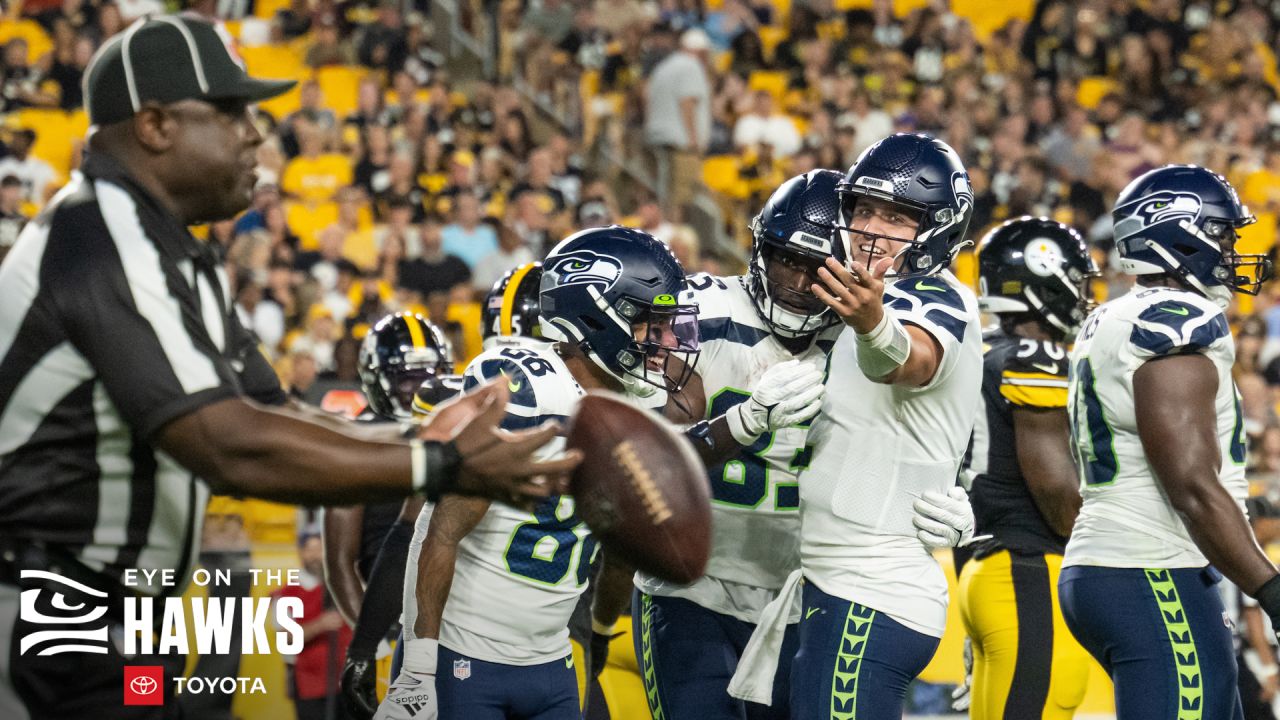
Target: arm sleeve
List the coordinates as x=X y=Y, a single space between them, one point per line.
x=383 y=591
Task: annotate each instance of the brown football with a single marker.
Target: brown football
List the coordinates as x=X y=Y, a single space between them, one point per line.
x=641 y=488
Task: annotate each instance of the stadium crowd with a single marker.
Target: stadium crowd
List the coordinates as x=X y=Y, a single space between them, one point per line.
x=387 y=184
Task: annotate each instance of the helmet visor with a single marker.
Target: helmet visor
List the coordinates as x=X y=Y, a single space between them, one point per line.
x=667 y=339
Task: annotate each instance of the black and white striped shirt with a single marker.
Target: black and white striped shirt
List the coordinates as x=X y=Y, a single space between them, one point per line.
x=114 y=321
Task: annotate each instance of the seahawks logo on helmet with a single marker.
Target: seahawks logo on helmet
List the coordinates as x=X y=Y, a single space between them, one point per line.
x=1168 y=205
x=584 y=267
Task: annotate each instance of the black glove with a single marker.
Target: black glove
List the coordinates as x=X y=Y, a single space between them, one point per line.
x=360 y=687
x=599 y=652
x=1268 y=597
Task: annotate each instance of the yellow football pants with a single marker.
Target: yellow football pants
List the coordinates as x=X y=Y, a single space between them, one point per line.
x=1026 y=663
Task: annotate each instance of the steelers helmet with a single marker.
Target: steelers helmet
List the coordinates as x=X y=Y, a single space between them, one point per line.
x=510 y=309
x=400 y=353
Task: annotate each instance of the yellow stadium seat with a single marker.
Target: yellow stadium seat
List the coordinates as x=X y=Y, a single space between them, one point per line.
x=784 y=11
x=771 y=37
x=772 y=81
x=278 y=62
x=1093 y=89
x=339 y=85
x=987 y=17
x=38 y=41
x=271 y=523
x=720 y=172
x=846 y=5
x=468 y=316
x=53 y=135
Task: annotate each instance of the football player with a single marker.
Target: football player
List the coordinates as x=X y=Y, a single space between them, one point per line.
x=1033 y=276
x=1159 y=438
x=365 y=544
x=509 y=315
x=764 y=335
x=609 y=302
x=902 y=392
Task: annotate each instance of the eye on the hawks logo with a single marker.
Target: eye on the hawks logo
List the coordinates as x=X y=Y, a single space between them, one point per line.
x=584 y=267
x=64 y=607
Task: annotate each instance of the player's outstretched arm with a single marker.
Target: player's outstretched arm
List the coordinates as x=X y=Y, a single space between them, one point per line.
x=341 y=535
x=1174 y=402
x=453 y=518
x=889 y=351
x=1042 y=437
x=275 y=454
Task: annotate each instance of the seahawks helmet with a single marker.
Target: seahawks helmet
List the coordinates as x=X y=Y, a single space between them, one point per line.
x=925 y=183
x=1036 y=266
x=614 y=292
x=791 y=238
x=510 y=309
x=1181 y=220
x=400 y=353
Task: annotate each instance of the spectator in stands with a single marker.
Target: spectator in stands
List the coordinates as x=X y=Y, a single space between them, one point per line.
x=436 y=271
x=301 y=372
x=35 y=174
x=69 y=62
x=327 y=45
x=678 y=119
x=466 y=237
x=375 y=157
x=369 y=105
x=356 y=227
x=400 y=215
x=317 y=669
x=22 y=84
x=256 y=312
x=593 y=213
x=295 y=20
x=869 y=123
x=315 y=175
x=12 y=219
x=764 y=125
x=311 y=109
x=512 y=251
x=383 y=45
x=538 y=182
x=265 y=196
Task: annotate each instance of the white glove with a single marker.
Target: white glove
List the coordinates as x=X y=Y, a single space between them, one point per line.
x=788 y=393
x=961 y=697
x=944 y=520
x=413 y=694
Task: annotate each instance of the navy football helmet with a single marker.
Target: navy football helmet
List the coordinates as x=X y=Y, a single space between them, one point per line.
x=615 y=293
x=915 y=179
x=791 y=238
x=400 y=353
x=1036 y=266
x=1181 y=220
x=510 y=309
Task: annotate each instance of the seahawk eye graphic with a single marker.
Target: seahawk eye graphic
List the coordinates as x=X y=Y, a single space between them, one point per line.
x=1167 y=206
x=585 y=267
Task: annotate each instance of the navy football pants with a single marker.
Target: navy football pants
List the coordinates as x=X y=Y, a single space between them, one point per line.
x=687 y=654
x=471 y=689
x=854 y=663
x=1161 y=635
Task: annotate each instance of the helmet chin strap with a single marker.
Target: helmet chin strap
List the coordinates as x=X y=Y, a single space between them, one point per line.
x=1219 y=294
x=1044 y=313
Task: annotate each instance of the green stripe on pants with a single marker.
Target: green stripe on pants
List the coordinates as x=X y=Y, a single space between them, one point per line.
x=1185 y=657
x=853 y=644
x=646 y=657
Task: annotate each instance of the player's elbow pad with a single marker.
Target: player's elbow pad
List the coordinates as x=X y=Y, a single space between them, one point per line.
x=884 y=349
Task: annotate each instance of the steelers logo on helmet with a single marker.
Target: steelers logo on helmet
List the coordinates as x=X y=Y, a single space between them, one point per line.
x=1043 y=257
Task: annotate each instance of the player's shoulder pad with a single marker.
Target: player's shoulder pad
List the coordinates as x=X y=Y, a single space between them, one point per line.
x=1034 y=373
x=537 y=390
x=725 y=310
x=1167 y=322
x=931 y=298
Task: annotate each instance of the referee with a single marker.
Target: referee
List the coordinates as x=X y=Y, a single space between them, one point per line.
x=129 y=390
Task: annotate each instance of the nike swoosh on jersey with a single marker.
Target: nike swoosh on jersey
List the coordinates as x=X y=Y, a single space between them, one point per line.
x=568 y=662
x=1180 y=311
x=512 y=385
x=921 y=285
x=809 y=613
x=1049 y=369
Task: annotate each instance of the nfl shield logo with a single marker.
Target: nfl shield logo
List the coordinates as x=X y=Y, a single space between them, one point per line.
x=462 y=669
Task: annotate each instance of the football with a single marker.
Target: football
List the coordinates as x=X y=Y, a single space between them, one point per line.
x=641 y=488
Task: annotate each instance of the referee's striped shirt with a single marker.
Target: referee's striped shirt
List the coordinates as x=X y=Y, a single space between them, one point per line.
x=114 y=321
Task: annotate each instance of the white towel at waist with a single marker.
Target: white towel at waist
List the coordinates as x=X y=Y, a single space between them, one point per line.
x=753 y=680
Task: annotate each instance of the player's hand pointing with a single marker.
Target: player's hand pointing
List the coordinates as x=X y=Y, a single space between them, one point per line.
x=855 y=293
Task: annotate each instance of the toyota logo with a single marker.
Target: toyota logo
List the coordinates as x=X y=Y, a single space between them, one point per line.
x=143 y=685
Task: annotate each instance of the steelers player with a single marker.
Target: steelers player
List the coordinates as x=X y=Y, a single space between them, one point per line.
x=1033 y=276
x=1159 y=438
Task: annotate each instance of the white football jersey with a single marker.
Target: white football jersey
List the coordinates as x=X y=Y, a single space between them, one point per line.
x=755 y=531
x=519 y=574
x=1126 y=520
x=877 y=447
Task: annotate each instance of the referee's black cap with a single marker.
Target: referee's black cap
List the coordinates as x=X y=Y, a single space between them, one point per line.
x=167 y=58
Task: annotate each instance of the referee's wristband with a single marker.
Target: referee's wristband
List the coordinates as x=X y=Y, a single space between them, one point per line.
x=435 y=467
x=1268 y=597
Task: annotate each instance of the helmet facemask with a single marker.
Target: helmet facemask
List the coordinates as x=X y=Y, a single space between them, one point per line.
x=782 y=277
x=399 y=382
x=897 y=234
x=664 y=350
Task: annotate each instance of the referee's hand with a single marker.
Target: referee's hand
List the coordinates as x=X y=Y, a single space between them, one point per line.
x=496 y=463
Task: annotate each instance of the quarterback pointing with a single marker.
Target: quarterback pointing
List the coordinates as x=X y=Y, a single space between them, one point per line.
x=902 y=394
